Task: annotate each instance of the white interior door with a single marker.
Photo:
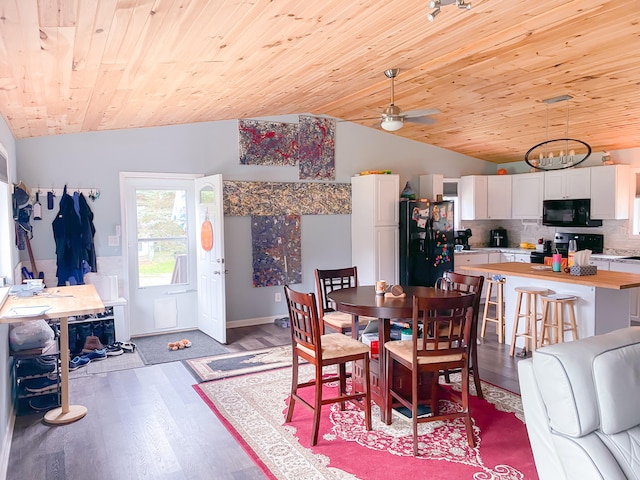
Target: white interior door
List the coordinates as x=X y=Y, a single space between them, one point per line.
x=212 y=317
x=160 y=251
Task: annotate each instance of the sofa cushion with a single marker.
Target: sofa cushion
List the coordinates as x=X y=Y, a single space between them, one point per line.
x=616 y=375
x=565 y=375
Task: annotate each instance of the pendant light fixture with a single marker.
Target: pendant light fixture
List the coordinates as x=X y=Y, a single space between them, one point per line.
x=558 y=153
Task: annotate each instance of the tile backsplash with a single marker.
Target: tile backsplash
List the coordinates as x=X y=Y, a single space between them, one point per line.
x=616 y=234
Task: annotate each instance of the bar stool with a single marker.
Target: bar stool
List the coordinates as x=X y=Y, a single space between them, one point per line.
x=530 y=315
x=553 y=318
x=499 y=304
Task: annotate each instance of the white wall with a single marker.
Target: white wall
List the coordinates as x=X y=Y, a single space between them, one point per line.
x=94 y=160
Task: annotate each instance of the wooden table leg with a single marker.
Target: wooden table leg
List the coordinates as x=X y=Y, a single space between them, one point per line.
x=384 y=335
x=66 y=413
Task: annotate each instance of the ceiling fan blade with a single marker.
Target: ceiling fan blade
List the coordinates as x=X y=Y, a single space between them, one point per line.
x=421 y=113
x=358 y=119
x=421 y=120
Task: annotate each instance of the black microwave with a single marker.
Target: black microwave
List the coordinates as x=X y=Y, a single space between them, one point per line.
x=568 y=213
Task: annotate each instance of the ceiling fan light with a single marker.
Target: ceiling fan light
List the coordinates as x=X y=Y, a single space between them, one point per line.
x=465 y=6
x=434 y=3
x=432 y=16
x=391 y=124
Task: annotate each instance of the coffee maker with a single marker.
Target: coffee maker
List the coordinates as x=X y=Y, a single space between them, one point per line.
x=462 y=238
x=498 y=238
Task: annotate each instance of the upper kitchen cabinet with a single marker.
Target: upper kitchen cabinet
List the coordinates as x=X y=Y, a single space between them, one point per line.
x=610 y=189
x=570 y=183
x=375 y=198
x=499 y=197
x=473 y=197
x=431 y=186
x=527 y=195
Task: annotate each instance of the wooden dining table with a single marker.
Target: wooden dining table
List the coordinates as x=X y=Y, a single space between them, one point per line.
x=60 y=303
x=362 y=300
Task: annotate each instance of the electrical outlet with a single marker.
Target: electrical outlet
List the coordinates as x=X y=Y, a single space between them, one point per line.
x=278 y=297
x=113 y=240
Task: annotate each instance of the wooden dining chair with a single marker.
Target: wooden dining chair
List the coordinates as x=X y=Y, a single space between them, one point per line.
x=469 y=284
x=328 y=281
x=320 y=350
x=431 y=353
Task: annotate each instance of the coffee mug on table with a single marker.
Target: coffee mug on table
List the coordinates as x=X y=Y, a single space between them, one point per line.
x=381 y=287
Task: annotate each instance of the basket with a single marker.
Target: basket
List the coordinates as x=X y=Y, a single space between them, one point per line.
x=582 y=270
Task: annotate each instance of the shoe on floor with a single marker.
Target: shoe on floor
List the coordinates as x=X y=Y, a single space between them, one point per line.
x=114 y=349
x=100 y=354
x=128 y=347
x=78 y=362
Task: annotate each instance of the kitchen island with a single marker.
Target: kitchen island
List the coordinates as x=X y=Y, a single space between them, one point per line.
x=603 y=298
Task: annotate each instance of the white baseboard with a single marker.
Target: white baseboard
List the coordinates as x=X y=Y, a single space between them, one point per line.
x=6 y=445
x=248 y=322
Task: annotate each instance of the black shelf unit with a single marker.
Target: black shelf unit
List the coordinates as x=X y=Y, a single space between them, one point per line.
x=22 y=397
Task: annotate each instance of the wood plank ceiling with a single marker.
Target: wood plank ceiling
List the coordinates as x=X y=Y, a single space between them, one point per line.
x=70 y=66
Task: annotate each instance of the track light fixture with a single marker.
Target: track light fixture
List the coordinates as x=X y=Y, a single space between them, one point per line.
x=436 y=4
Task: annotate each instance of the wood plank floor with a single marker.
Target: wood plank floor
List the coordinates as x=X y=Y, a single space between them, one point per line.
x=148 y=423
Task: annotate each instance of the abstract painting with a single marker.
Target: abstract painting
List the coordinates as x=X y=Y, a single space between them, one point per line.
x=268 y=143
x=286 y=198
x=277 y=258
x=316 y=148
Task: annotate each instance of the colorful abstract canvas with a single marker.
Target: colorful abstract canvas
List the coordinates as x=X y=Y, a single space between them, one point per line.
x=277 y=258
x=268 y=143
x=316 y=148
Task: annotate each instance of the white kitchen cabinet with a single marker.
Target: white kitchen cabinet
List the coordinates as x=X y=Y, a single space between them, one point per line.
x=499 y=197
x=527 y=193
x=496 y=257
x=374 y=227
x=634 y=301
x=601 y=264
x=473 y=197
x=569 y=183
x=610 y=188
x=431 y=186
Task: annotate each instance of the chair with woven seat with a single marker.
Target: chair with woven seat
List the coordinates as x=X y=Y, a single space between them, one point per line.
x=433 y=353
x=320 y=350
x=469 y=284
x=328 y=281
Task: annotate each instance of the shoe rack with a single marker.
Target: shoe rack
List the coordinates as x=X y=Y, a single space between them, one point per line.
x=23 y=399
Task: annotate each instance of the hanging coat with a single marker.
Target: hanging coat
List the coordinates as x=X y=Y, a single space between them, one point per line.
x=73 y=234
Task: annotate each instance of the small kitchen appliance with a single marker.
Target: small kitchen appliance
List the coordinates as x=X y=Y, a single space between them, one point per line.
x=462 y=238
x=498 y=238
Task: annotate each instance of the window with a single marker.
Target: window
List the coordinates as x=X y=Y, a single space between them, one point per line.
x=450 y=192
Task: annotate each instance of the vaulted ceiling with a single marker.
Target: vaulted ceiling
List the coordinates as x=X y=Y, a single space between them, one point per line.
x=69 y=66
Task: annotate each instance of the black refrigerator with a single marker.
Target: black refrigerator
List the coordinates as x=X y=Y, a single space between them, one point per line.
x=426 y=241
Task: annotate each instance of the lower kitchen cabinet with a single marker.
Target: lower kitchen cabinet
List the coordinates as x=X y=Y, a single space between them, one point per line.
x=634 y=307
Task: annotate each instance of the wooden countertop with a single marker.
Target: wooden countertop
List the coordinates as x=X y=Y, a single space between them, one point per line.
x=602 y=279
x=62 y=302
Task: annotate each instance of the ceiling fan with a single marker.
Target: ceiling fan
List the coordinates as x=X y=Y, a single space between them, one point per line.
x=392 y=118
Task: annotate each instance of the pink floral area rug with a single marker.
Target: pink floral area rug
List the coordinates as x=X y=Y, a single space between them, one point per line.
x=253 y=408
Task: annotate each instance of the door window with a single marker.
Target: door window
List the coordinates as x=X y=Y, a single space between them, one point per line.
x=162 y=243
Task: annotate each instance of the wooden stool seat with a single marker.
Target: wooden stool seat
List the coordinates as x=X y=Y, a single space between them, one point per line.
x=553 y=318
x=530 y=315
x=499 y=304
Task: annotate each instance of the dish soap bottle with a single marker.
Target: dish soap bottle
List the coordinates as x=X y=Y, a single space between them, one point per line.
x=571 y=252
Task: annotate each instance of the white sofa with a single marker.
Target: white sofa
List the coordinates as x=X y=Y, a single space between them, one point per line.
x=581 y=404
